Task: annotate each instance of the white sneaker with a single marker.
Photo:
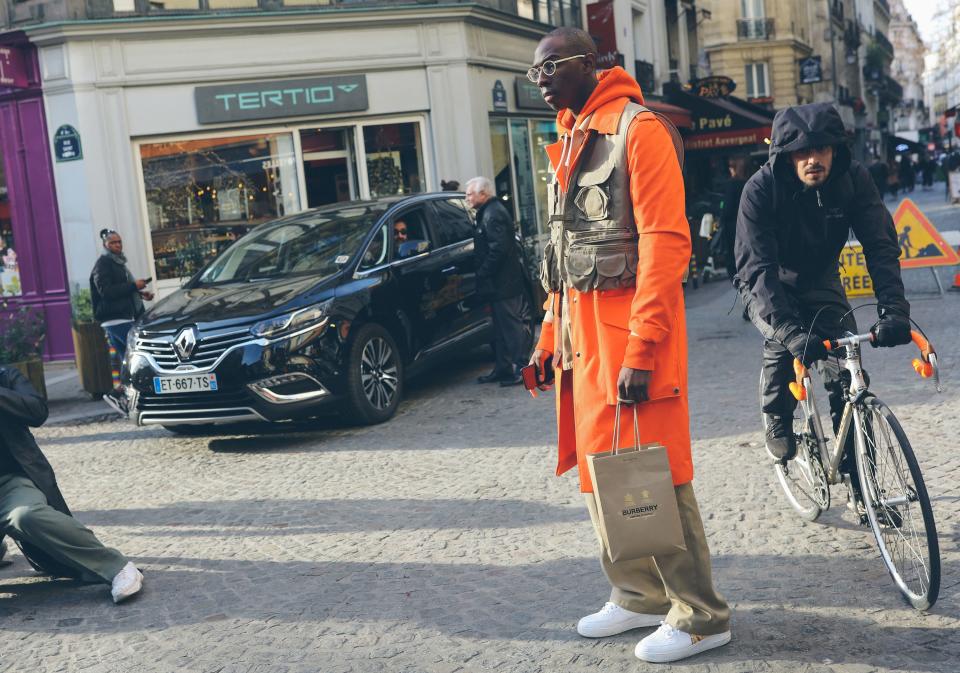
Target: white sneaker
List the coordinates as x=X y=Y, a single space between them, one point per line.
x=670 y=644
x=612 y=619
x=127 y=582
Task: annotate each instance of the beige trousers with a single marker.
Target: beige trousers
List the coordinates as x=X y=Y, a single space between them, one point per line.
x=679 y=585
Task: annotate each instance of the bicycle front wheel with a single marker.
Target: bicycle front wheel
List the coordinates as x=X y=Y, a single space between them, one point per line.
x=897 y=505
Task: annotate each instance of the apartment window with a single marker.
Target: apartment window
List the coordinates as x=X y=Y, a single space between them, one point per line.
x=752 y=9
x=757 y=78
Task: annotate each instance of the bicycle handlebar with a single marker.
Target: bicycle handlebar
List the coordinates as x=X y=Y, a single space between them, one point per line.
x=926 y=365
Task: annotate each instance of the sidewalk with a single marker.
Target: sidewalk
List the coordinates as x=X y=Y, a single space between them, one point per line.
x=68 y=402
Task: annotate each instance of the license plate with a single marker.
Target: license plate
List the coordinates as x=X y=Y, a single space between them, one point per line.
x=195 y=383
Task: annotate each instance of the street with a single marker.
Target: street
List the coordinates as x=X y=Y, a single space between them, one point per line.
x=442 y=541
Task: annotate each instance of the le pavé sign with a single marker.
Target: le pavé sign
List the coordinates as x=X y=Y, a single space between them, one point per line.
x=280 y=98
x=66 y=144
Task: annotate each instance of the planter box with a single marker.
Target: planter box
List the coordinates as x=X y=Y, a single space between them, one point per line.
x=33 y=370
x=93 y=358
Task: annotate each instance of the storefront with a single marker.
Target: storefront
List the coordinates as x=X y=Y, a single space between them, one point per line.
x=32 y=271
x=192 y=133
x=723 y=127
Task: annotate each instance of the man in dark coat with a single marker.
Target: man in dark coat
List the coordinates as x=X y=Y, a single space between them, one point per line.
x=794 y=220
x=32 y=509
x=500 y=279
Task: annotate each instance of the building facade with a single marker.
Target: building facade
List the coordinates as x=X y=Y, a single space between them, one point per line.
x=942 y=75
x=910 y=114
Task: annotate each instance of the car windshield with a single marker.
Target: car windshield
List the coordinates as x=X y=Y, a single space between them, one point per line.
x=317 y=243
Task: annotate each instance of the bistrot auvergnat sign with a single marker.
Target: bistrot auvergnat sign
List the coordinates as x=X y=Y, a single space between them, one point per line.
x=280 y=98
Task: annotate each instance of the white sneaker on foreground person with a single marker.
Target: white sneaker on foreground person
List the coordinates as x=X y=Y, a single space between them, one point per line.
x=612 y=619
x=127 y=582
x=670 y=644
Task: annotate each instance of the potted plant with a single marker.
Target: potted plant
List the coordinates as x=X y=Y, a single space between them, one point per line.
x=90 y=346
x=21 y=341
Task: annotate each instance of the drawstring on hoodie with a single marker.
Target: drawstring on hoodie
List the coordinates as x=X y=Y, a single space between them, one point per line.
x=819 y=201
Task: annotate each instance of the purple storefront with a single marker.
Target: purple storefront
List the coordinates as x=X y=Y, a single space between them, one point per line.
x=32 y=269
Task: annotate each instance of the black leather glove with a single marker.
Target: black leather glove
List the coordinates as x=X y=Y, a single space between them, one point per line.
x=807 y=350
x=893 y=329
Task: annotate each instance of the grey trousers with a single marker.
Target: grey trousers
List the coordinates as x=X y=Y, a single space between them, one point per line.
x=26 y=517
x=678 y=586
x=512 y=335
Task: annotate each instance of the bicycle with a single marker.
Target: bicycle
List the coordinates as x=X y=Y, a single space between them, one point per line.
x=890 y=495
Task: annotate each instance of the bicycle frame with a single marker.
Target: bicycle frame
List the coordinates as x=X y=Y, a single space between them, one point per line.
x=852 y=411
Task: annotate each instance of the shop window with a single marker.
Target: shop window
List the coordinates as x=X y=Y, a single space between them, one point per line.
x=202 y=195
x=231 y=4
x=9 y=265
x=502 y=176
x=453 y=224
x=173 y=5
x=394 y=159
x=329 y=166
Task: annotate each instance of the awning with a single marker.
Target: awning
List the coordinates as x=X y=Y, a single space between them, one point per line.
x=680 y=117
x=722 y=123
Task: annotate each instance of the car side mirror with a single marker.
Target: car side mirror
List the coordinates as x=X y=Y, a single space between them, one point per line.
x=411 y=248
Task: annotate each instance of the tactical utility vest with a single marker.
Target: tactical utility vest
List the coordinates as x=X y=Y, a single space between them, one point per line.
x=593 y=236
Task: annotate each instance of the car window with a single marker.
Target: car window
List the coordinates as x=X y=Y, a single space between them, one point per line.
x=452 y=223
x=309 y=244
x=409 y=226
x=376 y=252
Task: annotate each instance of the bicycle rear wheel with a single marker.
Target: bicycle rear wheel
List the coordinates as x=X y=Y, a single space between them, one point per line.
x=898 y=507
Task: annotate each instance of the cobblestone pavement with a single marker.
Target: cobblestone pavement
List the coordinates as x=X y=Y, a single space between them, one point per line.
x=442 y=541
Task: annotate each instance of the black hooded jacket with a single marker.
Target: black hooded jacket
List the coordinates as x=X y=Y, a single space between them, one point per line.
x=789 y=236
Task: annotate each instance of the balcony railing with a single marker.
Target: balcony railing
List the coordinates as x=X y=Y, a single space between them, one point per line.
x=883 y=42
x=754 y=29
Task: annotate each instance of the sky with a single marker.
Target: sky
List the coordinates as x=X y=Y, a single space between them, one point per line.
x=922 y=13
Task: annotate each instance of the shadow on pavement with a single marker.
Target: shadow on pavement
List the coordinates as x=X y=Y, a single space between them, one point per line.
x=493 y=602
x=279 y=517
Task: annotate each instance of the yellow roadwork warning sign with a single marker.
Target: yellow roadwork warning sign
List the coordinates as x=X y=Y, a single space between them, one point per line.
x=853 y=272
x=921 y=245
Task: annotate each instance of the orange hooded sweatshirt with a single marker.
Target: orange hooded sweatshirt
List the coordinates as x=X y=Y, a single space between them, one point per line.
x=642 y=327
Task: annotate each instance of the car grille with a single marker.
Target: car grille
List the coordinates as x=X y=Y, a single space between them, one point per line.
x=195 y=407
x=209 y=348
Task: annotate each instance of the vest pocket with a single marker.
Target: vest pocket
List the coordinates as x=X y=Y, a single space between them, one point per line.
x=593 y=197
x=602 y=264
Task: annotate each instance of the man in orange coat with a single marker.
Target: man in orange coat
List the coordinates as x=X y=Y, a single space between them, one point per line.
x=614 y=327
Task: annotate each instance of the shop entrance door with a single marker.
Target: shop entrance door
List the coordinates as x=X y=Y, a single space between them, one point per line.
x=329 y=166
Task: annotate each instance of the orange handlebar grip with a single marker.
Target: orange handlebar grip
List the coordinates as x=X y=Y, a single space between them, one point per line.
x=924 y=369
x=828 y=344
x=922 y=344
x=796 y=387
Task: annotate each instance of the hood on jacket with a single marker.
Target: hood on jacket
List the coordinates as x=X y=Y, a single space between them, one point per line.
x=804 y=126
x=612 y=84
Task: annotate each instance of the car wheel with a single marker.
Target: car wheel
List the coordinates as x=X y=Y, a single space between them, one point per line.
x=375 y=376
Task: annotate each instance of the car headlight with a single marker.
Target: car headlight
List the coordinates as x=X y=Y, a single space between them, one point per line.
x=132 y=339
x=312 y=316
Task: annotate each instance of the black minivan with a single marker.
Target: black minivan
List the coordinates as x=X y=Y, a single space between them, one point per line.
x=323 y=307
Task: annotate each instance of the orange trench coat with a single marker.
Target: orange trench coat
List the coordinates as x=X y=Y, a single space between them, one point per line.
x=642 y=328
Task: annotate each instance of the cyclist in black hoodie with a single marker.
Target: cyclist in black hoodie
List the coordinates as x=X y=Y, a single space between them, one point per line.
x=795 y=217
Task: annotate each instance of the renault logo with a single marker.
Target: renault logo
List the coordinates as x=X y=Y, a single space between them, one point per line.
x=185 y=343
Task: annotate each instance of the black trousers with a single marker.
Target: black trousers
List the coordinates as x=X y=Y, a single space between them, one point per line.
x=513 y=337
x=827 y=298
